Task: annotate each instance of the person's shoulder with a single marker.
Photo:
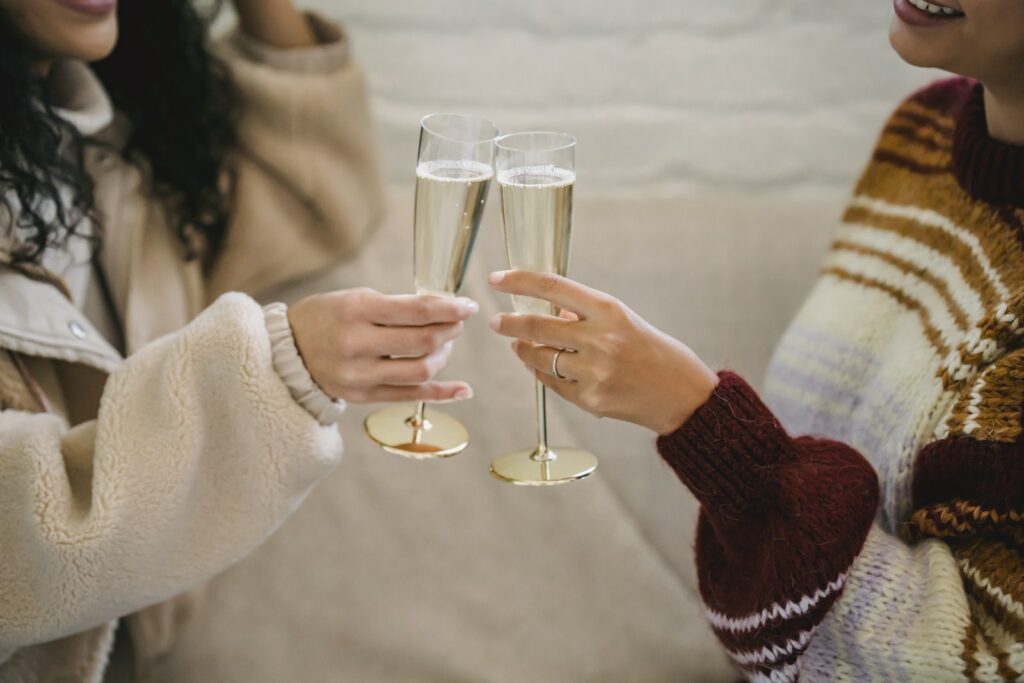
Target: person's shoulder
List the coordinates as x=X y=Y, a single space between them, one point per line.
x=939 y=101
x=918 y=136
x=919 y=133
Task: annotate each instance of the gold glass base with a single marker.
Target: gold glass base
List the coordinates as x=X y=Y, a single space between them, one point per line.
x=525 y=468
x=394 y=429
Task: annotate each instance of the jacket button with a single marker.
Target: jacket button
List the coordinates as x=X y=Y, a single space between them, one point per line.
x=77 y=329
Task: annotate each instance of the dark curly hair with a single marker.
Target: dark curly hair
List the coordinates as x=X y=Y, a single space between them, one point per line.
x=182 y=106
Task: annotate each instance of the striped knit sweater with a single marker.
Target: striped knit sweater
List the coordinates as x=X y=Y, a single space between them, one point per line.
x=888 y=545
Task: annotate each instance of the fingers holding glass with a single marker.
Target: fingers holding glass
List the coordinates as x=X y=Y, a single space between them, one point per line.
x=541 y=329
x=567 y=389
x=561 y=364
x=413 y=341
x=412 y=371
x=424 y=309
x=428 y=391
x=555 y=289
x=624 y=368
x=343 y=348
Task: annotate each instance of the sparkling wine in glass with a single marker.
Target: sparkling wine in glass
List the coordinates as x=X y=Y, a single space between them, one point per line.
x=454 y=169
x=536 y=176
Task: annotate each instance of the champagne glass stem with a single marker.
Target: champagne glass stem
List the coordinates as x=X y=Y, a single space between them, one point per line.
x=418 y=418
x=418 y=422
x=543 y=452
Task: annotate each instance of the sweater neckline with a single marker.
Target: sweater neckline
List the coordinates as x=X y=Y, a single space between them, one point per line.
x=79 y=98
x=988 y=169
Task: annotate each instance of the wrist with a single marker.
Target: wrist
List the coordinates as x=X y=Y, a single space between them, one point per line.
x=690 y=390
x=277 y=23
x=293 y=370
x=728 y=450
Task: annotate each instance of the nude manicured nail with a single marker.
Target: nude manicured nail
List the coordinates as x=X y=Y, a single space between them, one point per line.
x=495 y=322
x=469 y=305
x=463 y=394
x=496 y=277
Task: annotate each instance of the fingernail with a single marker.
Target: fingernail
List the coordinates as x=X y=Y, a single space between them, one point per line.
x=463 y=394
x=469 y=305
x=496 y=277
x=514 y=345
x=495 y=322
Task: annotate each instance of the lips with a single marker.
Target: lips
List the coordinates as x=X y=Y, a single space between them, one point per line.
x=923 y=13
x=92 y=8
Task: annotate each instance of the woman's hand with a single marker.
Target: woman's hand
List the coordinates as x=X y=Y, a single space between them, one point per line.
x=275 y=22
x=616 y=364
x=364 y=346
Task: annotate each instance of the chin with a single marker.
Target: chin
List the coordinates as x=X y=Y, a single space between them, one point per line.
x=60 y=40
x=93 y=45
x=916 y=50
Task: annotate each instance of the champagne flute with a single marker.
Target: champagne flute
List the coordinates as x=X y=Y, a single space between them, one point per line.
x=536 y=175
x=454 y=169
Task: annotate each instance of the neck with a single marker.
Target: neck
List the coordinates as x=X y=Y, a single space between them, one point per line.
x=38 y=61
x=1004 y=113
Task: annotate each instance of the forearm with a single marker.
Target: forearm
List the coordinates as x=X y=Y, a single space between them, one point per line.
x=782 y=521
x=797 y=580
x=275 y=22
x=197 y=454
x=307 y=186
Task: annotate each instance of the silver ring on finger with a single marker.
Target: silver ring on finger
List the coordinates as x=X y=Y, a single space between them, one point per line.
x=554 y=365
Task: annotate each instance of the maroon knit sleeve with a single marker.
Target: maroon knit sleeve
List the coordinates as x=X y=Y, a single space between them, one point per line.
x=781 y=522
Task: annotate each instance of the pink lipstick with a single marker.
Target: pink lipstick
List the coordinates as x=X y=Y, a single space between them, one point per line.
x=92 y=8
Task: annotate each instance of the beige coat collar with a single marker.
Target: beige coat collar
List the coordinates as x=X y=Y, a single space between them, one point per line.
x=37 y=319
x=36 y=315
x=79 y=97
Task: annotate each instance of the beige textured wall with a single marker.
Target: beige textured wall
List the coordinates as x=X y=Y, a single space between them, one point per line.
x=669 y=96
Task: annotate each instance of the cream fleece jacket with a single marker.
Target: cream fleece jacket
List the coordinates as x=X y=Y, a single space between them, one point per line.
x=211 y=432
x=198 y=453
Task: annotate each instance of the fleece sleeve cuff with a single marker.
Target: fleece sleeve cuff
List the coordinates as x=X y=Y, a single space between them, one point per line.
x=293 y=372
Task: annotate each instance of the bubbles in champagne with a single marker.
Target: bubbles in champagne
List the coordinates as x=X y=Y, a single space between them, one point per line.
x=536 y=207
x=450 y=199
x=454 y=170
x=544 y=176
